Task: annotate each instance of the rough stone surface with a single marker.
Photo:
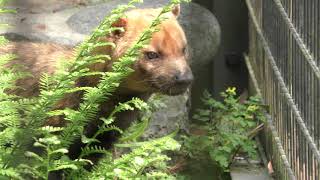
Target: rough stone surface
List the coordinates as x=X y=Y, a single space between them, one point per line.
x=45 y=26
x=167 y=119
x=249 y=173
x=36 y=6
x=48 y=6
x=249 y=169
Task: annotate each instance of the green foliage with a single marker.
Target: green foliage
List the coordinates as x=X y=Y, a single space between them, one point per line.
x=28 y=150
x=144 y=161
x=225 y=128
x=10 y=116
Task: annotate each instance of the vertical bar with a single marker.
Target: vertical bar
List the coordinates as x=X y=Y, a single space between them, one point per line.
x=299 y=78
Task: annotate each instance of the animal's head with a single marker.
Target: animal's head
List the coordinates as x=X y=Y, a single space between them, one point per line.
x=163 y=64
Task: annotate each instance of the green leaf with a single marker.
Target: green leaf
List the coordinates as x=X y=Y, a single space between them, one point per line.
x=64 y=166
x=33 y=155
x=87 y=140
x=93 y=150
x=62 y=151
x=7 y=11
x=136 y=131
x=51 y=129
x=10 y=173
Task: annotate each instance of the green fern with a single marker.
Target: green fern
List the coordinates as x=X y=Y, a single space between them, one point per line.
x=146 y=160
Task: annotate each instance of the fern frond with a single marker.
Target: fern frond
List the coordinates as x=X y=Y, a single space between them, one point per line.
x=51 y=129
x=9 y=173
x=94 y=150
x=110 y=128
x=132 y=164
x=61 y=165
x=135 y=131
x=5 y=58
x=87 y=140
x=3 y=40
x=34 y=156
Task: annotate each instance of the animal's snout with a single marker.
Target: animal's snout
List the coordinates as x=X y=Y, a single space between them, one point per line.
x=185 y=78
x=179 y=83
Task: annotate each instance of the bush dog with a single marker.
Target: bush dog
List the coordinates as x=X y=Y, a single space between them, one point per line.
x=162 y=66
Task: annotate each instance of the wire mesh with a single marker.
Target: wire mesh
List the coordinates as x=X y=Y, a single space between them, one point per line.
x=284 y=64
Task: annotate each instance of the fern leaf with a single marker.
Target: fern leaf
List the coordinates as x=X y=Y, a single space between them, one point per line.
x=94 y=150
x=59 y=151
x=87 y=140
x=3 y=40
x=135 y=131
x=6 y=58
x=51 y=129
x=62 y=166
x=10 y=173
x=34 y=155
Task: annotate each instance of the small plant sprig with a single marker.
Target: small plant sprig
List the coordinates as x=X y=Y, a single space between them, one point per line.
x=146 y=161
x=10 y=116
x=227 y=127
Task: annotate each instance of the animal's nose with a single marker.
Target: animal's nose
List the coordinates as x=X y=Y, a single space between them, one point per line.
x=184 y=78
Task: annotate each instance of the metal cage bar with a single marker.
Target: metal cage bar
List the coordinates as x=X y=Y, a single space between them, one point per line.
x=283 y=62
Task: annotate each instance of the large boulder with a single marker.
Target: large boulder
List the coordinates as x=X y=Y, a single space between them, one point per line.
x=169 y=117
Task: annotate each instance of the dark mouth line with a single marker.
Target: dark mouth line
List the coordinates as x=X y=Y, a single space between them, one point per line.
x=169 y=88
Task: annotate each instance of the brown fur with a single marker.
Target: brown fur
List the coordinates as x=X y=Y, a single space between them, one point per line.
x=34 y=58
x=169 y=73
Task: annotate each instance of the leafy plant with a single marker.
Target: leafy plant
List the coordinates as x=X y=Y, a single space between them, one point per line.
x=28 y=149
x=224 y=128
x=146 y=160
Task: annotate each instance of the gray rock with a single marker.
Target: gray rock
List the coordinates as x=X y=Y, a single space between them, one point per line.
x=45 y=27
x=169 y=118
x=36 y=6
x=200 y=25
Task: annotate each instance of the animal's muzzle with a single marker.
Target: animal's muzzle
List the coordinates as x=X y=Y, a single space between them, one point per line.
x=183 y=79
x=181 y=83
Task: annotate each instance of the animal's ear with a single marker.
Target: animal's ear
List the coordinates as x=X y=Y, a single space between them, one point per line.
x=120 y=23
x=176 y=10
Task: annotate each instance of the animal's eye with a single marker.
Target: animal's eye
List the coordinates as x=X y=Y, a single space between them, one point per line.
x=152 y=55
x=184 y=50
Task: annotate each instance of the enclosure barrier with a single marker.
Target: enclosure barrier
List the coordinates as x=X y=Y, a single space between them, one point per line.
x=283 y=64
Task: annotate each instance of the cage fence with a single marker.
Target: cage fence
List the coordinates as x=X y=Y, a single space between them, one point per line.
x=283 y=63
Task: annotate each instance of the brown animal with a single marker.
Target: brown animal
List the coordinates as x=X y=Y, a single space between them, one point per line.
x=162 y=67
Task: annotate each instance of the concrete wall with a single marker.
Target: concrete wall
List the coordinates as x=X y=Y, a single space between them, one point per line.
x=228 y=67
